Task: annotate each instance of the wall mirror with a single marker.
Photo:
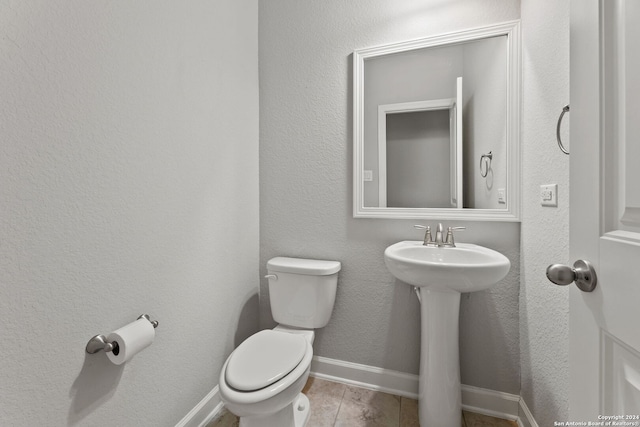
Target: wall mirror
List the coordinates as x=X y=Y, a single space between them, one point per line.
x=436 y=127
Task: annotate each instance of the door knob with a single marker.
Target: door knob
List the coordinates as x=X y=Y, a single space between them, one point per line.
x=582 y=273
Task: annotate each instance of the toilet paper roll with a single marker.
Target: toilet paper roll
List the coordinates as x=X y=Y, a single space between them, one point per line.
x=130 y=339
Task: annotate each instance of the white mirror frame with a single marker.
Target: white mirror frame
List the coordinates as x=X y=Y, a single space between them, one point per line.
x=512 y=211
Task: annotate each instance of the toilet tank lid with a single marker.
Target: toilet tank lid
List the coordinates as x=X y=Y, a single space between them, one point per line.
x=311 y=267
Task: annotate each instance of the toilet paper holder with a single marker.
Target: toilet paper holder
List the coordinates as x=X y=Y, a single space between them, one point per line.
x=99 y=342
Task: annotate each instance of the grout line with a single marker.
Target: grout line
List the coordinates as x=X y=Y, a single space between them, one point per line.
x=335 y=419
x=344 y=391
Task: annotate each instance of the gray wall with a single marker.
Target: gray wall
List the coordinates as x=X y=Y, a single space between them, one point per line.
x=306 y=180
x=128 y=185
x=544 y=308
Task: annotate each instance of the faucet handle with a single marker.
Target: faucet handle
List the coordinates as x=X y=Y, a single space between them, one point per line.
x=449 y=240
x=427 y=235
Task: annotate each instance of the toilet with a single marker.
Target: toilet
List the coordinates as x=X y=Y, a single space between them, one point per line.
x=262 y=380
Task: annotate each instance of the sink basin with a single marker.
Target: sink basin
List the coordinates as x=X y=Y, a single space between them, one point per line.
x=465 y=268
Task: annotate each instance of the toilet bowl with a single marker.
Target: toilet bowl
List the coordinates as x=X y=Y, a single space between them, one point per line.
x=262 y=380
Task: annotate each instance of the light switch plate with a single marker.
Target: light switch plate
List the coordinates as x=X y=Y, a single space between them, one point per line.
x=549 y=195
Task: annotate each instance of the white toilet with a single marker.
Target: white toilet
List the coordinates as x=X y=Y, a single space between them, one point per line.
x=262 y=379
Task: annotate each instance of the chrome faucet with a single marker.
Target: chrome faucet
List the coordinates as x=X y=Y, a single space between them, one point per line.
x=439 y=241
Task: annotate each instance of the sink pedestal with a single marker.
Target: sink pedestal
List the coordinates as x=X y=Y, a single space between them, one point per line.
x=440 y=394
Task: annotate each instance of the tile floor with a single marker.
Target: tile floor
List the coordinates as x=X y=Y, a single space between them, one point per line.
x=340 y=405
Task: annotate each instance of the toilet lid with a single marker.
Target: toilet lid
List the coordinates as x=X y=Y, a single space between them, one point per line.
x=264 y=358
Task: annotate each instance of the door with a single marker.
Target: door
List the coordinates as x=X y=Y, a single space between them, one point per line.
x=455 y=122
x=605 y=209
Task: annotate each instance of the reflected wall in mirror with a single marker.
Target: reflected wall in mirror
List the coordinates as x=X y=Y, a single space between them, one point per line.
x=425 y=113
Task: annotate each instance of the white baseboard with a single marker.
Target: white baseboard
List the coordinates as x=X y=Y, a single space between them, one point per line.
x=204 y=411
x=490 y=402
x=370 y=377
x=474 y=399
x=525 y=417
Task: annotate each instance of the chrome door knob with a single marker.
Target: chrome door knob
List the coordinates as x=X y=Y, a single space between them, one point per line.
x=582 y=273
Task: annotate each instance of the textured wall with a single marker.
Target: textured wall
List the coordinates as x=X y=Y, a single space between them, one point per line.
x=544 y=329
x=305 y=185
x=128 y=184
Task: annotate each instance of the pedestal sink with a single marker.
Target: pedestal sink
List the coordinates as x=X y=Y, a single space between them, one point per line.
x=441 y=274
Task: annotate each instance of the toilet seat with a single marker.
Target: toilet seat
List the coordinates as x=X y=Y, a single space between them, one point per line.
x=264 y=359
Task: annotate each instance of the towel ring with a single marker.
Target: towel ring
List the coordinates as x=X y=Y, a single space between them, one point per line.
x=487 y=164
x=564 y=110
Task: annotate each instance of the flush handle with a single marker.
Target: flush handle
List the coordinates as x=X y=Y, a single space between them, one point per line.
x=582 y=273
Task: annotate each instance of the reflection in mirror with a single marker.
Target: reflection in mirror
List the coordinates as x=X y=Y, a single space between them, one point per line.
x=420 y=134
x=408 y=134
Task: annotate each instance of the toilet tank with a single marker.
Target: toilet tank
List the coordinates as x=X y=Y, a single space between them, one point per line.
x=302 y=291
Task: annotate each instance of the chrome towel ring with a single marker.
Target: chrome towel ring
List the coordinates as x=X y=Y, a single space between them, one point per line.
x=564 y=110
x=487 y=164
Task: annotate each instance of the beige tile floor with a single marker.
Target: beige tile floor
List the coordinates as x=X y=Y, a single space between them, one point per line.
x=340 y=405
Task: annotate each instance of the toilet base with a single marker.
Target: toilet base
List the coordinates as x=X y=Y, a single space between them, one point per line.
x=296 y=414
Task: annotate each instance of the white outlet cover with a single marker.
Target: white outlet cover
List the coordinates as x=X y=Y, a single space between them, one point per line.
x=502 y=199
